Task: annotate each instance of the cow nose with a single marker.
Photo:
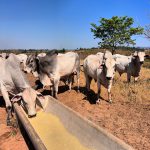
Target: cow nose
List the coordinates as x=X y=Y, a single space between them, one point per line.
x=108 y=78
x=141 y=62
x=31 y=116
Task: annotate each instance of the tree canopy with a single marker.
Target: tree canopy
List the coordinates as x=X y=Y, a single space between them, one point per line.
x=116 y=31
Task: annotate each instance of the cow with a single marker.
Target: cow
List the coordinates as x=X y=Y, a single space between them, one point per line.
x=41 y=55
x=130 y=64
x=55 y=67
x=4 y=55
x=101 y=68
x=100 y=54
x=22 y=58
x=14 y=87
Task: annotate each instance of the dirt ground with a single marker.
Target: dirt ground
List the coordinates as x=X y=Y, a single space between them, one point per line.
x=127 y=117
x=10 y=137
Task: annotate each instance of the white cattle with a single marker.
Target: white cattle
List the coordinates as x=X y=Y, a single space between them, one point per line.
x=4 y=55
x=22 y=58
x=14 y=85
x=101 y=68
x=41 y=55
x=54 y=67
x=100 y=54
x=130 y=64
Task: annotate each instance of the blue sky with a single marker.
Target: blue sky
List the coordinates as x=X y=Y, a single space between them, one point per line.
x=63 y=23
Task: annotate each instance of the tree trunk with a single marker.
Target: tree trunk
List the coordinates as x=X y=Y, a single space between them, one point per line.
x=113 y=50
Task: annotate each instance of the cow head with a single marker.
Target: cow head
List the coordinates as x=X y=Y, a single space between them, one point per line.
x=31 y=65
x=109 y=65
x=139 y=56
x=28 y=97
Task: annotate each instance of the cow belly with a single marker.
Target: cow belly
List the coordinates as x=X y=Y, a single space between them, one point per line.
x=66 y=70
x=120 y=68
x=92 y=74
x=66 y=65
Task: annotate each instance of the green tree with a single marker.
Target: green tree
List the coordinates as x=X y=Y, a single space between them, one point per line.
x=115 y=32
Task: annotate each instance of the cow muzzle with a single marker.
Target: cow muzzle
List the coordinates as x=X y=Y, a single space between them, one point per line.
x=141 y=62
x=108 y=78
x=31 y=112
x=31 y=116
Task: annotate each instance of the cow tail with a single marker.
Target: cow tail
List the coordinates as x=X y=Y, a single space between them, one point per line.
x=81 y=68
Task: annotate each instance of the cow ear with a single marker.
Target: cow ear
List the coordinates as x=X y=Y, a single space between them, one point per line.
x=146 y=56
x=16 y=98
x=40 y=100
x=52 y=53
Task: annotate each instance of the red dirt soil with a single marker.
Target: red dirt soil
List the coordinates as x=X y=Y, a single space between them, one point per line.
x=10 y=137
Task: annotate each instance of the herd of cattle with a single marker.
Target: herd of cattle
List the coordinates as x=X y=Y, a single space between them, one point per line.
x=51 y=68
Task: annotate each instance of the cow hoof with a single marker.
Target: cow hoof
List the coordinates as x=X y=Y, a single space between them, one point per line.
x=110 y=101
x=31 y=116
x=15 y=125
x=98 y=102
x=56 y=97
x=9 y=123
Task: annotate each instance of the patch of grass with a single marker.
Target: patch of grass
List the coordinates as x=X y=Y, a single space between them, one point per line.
x=137 y=92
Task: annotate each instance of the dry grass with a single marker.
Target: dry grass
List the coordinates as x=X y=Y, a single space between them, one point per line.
x=133 y=92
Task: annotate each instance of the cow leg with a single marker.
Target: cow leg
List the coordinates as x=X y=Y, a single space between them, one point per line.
x=88 y=82
x=135 y=79
x=109 y=92
x=98 y=92
x=128 y=77
x=70 y=82
x=78 y=81
x=9 y=115
x=52 y=89
x=72 y=78
x=8 y=105
x=56 y=83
